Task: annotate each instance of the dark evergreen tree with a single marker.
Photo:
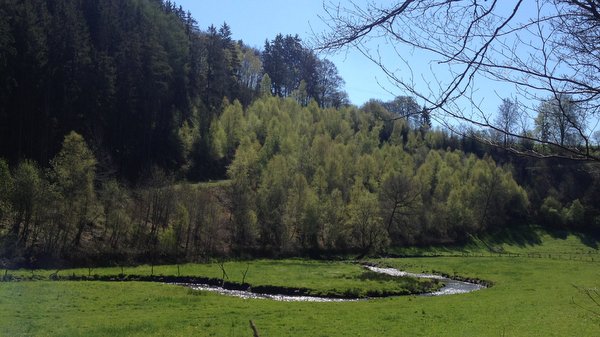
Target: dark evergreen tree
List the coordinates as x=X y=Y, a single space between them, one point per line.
x=127 y=75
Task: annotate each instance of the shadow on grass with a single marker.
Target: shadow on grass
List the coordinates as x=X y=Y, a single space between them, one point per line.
x=531 y=235
x=519 y=236
x=558 y=233
x=588 y=239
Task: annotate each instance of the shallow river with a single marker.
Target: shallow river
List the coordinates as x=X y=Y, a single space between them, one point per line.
x=451 y=287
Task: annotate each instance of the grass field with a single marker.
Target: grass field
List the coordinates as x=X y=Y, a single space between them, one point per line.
x=338 y=279
x=531 y=296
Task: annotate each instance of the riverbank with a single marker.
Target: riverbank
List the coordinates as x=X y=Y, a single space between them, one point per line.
x=343 y=280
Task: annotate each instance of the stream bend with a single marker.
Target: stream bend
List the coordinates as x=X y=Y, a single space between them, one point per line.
x=451 y=287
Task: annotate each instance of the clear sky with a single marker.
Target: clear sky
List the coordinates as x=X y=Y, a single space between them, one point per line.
x=257 y=20
x=254 y=21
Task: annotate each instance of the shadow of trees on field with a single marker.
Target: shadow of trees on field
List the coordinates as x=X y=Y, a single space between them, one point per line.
x=518 y=236
x=531 y=235
x=589 y=240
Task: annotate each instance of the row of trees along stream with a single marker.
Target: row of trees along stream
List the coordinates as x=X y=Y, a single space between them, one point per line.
x=303 y=179
x=108 y=109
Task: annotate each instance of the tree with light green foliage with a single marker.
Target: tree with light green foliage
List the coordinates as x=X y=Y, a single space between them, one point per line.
x=368 y=232
x=575 y=214
x=242 y=195
x=266 y=86
x=73 y=170
x=115 y=202
x=302 y=213
x=232 y=121
x=400 y=200
x=325 y=179
x=276 y=222
x=218 y=139
x=336 y=229
x=171 y=238
x=551 y=212
x=189 y=135
x=26 y=202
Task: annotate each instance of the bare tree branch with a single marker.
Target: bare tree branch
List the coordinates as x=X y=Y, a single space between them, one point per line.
x=549 y=53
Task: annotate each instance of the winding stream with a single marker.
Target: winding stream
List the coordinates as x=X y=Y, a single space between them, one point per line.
x=451 y=287
x=282 y=298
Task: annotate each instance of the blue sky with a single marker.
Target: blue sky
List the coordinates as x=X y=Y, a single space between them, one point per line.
x=255 y=21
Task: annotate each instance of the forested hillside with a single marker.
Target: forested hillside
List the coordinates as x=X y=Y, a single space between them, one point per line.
x=303 y=180
x=310 y=179
x=138 y=79
x=115 y=116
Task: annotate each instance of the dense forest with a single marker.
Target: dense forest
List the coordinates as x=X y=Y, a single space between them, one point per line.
x=138 y=79
x=115 y=115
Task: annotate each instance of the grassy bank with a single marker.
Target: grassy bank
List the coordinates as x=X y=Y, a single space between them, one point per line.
x=538 y=296
x=317 y=278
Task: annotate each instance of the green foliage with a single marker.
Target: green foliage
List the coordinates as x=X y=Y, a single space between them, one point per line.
x=265 y=86
x=189 y=135
x=115 y=202
x=302 y=180
x=551 y=212
x=218 y=140
x=25 y=199
x=231 y=122
x=241 y=193
x=73 y=171
x=74 y=167
x=336 y=232
x=368 y=232
x=36 y=223
x=307 y=163
x=575 y=214
x=559 y=121
x=295 y=71
x=137 y=78
x=150 y=93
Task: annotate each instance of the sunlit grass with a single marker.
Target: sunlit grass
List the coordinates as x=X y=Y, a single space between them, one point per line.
x=321 y=278
x=530 y=297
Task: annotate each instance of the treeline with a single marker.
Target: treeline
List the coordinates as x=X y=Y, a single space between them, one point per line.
x=563 y=192
x=304 y=180
x=64 y=215
x=138 y=79
x=108 y=109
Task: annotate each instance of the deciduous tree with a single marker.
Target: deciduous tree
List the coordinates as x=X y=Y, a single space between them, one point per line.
x=542 y=48
x=73 y=171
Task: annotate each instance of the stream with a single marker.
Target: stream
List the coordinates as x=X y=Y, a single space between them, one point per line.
x=450 y=287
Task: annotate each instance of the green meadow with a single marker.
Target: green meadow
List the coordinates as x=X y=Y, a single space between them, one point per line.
x=531 y=296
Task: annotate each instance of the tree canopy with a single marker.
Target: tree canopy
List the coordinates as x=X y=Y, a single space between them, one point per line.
x=544 y=49
x=138 y=79
x=116 y=117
